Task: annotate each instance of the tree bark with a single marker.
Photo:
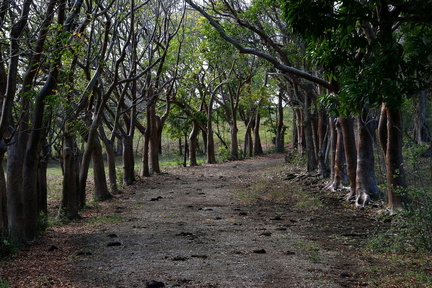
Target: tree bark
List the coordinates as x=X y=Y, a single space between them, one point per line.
x=395 y=174
x=3 y=194
x=280 y=129
x=101 y=191
x=111 y=161
x=70 y=197
x=128 y=160
x=258 y=150
x=366 y=184
x=42 y=186
x=322 y=132
x=347 y=128
x=421 y=131
x=310 y=148
x=193 y=140
x=15 y=197
x=146 y=147
x=234 y=139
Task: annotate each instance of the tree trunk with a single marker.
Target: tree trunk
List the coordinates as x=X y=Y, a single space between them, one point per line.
x=234 y=139
x=154 y=140
x=145 y=155
x=100 y=184
x=3 y=196
x=421 y=132
x=248 y=144
x=322 y=143
x=295 y=132
x=395 y=174
x=332 y=159
x=15 y=197
x=310 y=149
x=366 y=184
x=70 y=197
x=258 y=150
x=280 y=129
x=341 y=176
x=111 y=161
x=42 y=186
x=211 y=156
x=128 y=161
x=347 y=128
x=193 y=140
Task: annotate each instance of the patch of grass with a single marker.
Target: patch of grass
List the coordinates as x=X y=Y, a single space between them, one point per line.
x=311 y=250
x=96 y=221
x=4 y=283
x=399 y=270
x=307 y=201
x=248 y=197
x=55 y=181
x=265 y=189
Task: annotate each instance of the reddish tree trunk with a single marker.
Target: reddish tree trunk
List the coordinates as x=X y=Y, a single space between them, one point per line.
x=395 y=174
x=310 y=147
x=350 y=153
x=322 y=143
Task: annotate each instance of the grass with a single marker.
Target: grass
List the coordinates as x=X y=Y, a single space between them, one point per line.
x=399 y=270
x=4 y=283
x=307 y=201
x=96 y=221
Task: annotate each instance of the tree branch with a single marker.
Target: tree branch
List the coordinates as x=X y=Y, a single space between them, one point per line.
x=275 y=62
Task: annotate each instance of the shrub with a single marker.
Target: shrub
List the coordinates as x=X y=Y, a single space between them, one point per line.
x=7 y=248
x=411 y=229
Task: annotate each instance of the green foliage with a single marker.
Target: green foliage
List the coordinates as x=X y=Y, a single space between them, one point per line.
x=43 y=222
x=4 y=283
x=7 y=248
x=224 y=153
x=411 y=229
x=372 y=69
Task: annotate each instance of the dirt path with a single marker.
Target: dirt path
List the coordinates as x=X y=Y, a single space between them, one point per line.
x=236 y=224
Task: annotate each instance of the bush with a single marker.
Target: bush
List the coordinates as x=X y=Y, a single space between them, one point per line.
x=7 y=248
x=411 y=229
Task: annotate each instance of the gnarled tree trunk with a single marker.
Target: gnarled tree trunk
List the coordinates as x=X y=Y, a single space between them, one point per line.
x=366 y=184
x=100 y=184
x=193 y=140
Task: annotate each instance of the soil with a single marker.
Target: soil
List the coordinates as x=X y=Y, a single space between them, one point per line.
x=251 y=223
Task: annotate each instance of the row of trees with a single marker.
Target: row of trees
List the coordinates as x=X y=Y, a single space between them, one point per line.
x=367 y=58
x=78 y=76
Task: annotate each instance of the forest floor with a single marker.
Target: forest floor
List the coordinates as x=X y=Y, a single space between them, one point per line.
x=252 y=223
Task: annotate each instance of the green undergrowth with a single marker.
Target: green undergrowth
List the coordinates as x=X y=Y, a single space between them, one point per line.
x=406 y=246
x=96 y=221
x=4 y=283
x=399 y=270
